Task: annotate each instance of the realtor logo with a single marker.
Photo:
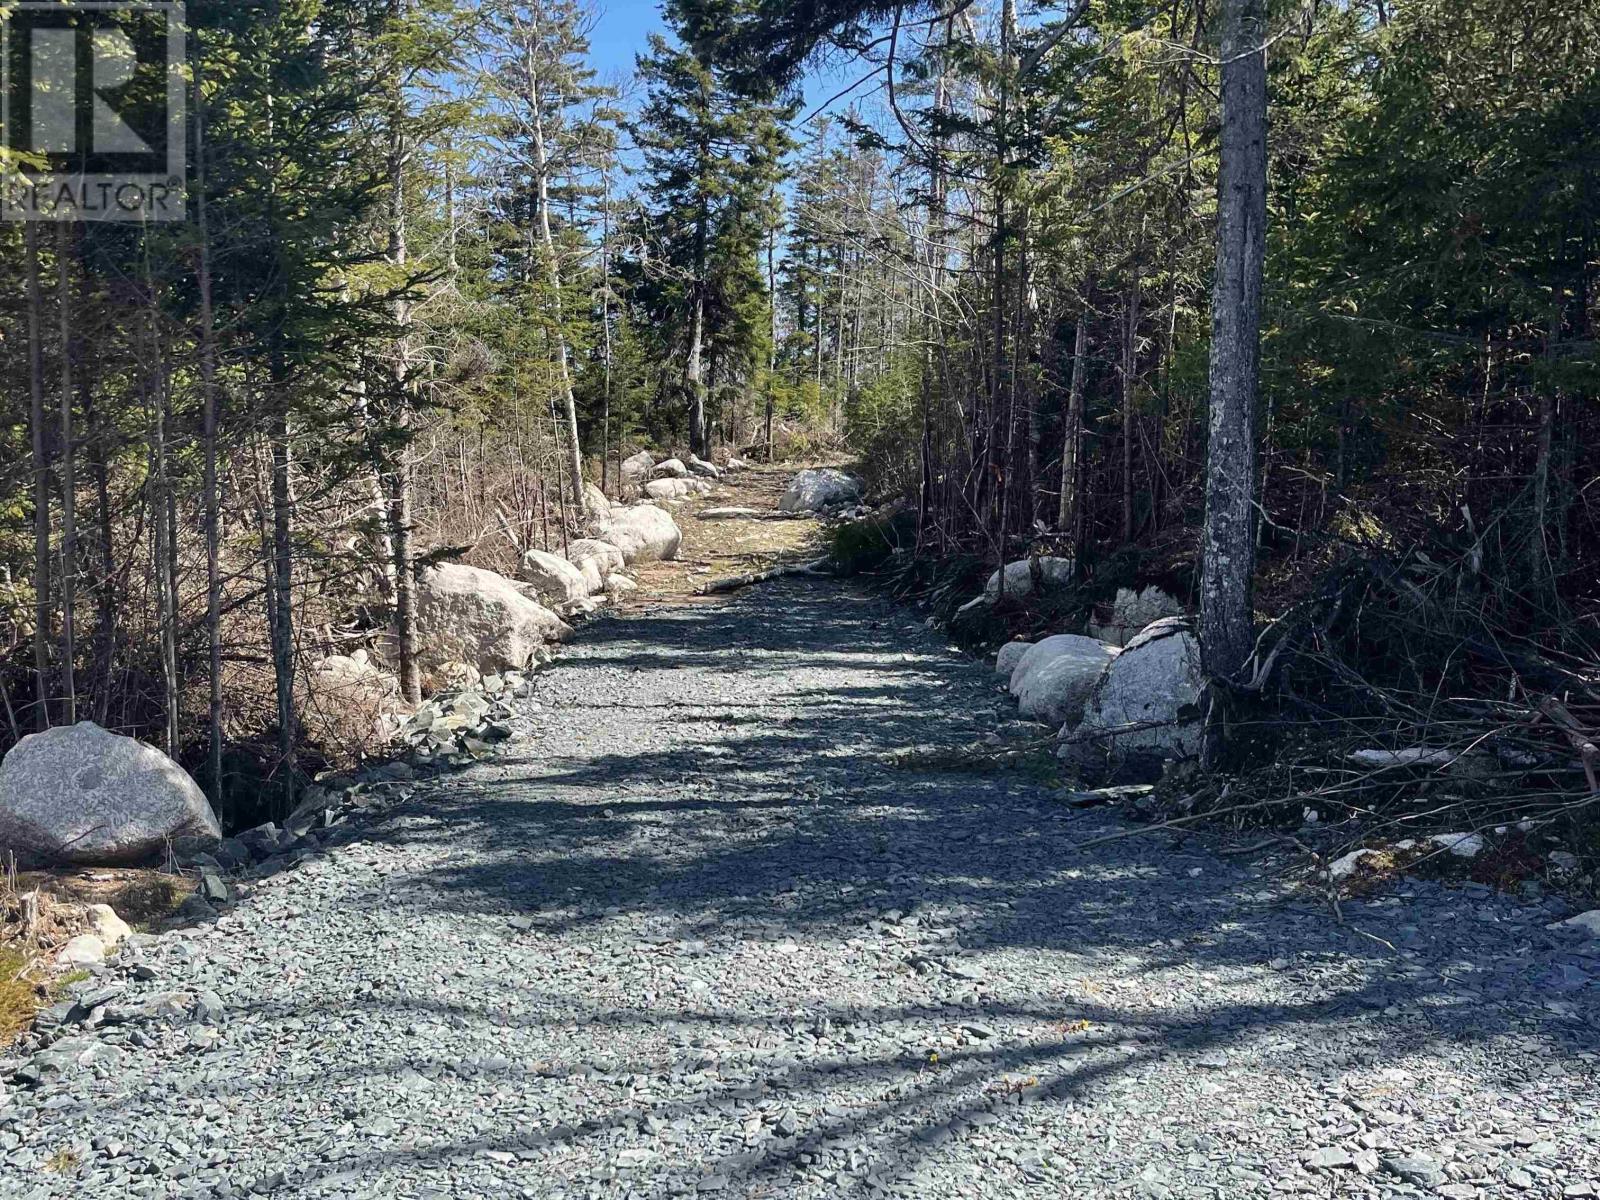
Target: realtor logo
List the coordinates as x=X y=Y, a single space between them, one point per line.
x=92 y=110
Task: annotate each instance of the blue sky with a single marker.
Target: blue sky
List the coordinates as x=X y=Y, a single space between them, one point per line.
x=624 y=26
x=620 y=34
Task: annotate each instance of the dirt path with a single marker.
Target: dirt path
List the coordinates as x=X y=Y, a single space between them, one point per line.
x=715 y=549
x=727 y=920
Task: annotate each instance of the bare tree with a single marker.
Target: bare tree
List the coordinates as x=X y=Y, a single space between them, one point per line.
x=1226 y=622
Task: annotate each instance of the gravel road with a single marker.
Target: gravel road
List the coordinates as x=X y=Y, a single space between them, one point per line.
x=724 y=922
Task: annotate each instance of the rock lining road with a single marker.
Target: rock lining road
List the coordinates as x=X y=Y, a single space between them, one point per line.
x=722 y=924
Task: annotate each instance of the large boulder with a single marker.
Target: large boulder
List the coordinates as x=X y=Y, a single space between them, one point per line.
x=557 y=581
x=466 y=614
x=1029 y=575
x=644 y=533
x=1145 y=710
x=636 y=469
x=80 y=794
x=699 y=466
x=1131 y=612
x=593 y=555
x=344 y=700
x=596 y=508
x=1041 y=654
x=1010 y=654
x=1022 y=579
x=671 y=468
x=667 y=489
x=818 y=488
x=1057 y=690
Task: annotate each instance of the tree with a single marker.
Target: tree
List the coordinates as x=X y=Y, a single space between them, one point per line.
x=1227 y=619
x=711 y=155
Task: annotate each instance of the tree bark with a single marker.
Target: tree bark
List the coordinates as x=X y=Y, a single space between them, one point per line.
x=772 y=315
x=1226 y=618
x=282 y=589
x=693 y=380
x=397 y=474
x=209 y=421
x=1069 y=516
x=605 y=328
x=541 y=172
x=69 y=484
x=41 y=483
x=1130 y=375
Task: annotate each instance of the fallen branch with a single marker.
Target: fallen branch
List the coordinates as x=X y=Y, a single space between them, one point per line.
x=735 y=582
x=752 y=514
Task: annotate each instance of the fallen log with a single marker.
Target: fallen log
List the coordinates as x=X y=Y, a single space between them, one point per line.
x=735 y=582
x=751 y=514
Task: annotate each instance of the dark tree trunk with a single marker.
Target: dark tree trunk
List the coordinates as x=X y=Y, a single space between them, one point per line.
x=1069 y=518
x=1226 y=621
x=41 y=484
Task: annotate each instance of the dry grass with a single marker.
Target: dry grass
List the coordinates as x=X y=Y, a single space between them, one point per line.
x=140 y=896
x=20 y=995
x=716 y=549
x=40 y=910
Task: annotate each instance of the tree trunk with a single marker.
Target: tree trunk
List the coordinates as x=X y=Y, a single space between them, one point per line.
x=41 y=484
x=772 y=341
x=69 y=487
x=1539 y=557
x=693 y=381
x=541 y=172
x=1226 y=619
x=1069 y=517
x=397 y=474
x=605 y=329
x=1130 y=374
x=209 y=420
x=282 y=589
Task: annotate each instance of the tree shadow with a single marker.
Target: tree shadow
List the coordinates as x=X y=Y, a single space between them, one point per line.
x=727 y=774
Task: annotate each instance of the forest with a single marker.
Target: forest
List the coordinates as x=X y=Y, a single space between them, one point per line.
x=1287 y=306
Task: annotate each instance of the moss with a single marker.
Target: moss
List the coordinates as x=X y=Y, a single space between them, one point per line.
x=19 y=998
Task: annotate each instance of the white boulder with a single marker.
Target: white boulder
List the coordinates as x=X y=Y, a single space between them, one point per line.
x=667 y=489
x=636 y=469
x=1145 y=709
x=85 y=950
x=1056 y=692
x=1029 y=575
x=673 y=467
x=352 y=679
x=593 y=580
x=466 y=614
x=817 y=488
x=1006 y=661
x=643 y=533
x=104 y=923
x=80 y=794
x=1132 y=611
x=620 y=585
x=700 y=466
x=592 y=554
x=1040 y=654
x=557 y=581
x=1588 y=922
x=596 y=507
x=343 y=701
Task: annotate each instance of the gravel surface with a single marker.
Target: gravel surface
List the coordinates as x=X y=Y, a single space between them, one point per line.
x=726 y=922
